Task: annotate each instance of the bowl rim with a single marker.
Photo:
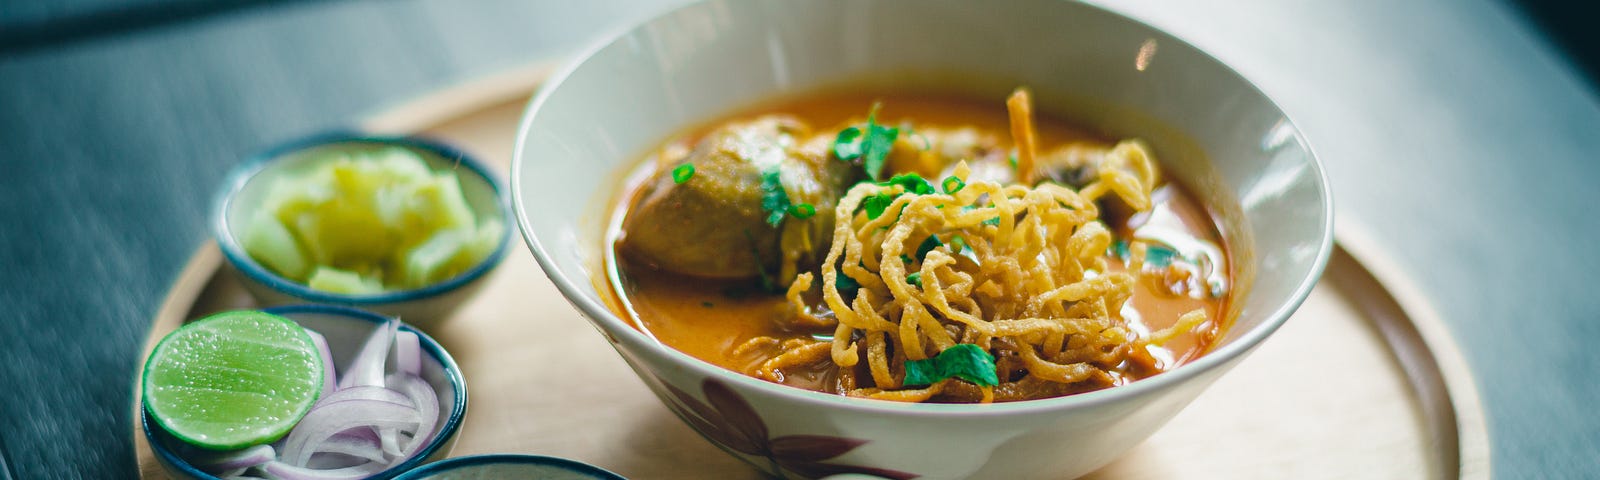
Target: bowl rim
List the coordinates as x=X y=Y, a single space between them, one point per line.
x=507 y=458
x=1215 y=358
x=447 y=430
x=247 y=170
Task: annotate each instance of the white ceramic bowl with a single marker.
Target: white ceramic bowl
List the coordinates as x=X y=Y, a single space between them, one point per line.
x=246 y=185
x=346 y=330
x=1212 y=129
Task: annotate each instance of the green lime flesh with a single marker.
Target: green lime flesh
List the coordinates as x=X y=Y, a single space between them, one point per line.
x=233 y=379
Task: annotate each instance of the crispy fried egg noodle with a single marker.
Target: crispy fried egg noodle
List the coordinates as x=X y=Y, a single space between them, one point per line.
x=1020 y=272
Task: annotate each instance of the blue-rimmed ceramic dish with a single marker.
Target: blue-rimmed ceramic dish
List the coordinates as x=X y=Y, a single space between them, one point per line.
x=346 y=329
x=509 y=466
x=247 y=185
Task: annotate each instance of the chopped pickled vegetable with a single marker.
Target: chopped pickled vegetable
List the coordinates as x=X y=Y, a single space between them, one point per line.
x=368 y=222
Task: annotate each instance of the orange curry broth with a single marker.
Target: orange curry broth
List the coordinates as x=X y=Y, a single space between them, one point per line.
x=708 y=319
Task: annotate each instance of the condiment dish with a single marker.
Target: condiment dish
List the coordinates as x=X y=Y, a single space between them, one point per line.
x=346 y=329
x=248 y=185
x=1215 y=132
x=509 y=466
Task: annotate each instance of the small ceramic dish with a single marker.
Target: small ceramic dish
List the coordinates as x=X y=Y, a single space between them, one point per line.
x=509 y=466
x=247 y=186
x=1214 y=130
x=346 y=330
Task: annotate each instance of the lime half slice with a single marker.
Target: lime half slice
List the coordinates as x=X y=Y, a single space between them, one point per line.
x=233 y=379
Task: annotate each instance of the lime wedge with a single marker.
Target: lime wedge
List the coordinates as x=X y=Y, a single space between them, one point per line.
x=233 y=379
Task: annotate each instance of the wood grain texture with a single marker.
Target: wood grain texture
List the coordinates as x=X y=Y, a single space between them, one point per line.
x=1334 y=394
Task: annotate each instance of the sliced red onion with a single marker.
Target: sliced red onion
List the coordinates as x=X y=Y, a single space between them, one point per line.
x=367 y=368
x=389 y=441
x=361 y=434
x=408 y=353
x=286 y=471
x=214 y=462
x=328 y=419
x=330 y=461
x=427 y=402
x=328 y=381
x=377 y=393
x=362 y=416
x=349 y=442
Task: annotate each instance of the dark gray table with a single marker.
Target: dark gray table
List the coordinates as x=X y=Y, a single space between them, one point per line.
x=1450 y=132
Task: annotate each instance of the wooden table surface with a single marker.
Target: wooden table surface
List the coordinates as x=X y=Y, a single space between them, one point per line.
x=1456 y=137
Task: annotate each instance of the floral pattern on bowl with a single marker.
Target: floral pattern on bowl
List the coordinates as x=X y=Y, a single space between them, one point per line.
x=729 y=421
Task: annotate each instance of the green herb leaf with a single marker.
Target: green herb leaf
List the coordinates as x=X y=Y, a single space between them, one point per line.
x=847 y=146
x=875 y=148
x=870 y=142
x=876 y=204
x=923 y=372
x=965 y=361
x=773 y=198
x=847 y=286
x=1119 y=249
x=958 y=244
x=707 y=304
x=915 y=278
x=912 y=182
x=953 y=184
x=969 y=362
x=802 y=211
x=927 y=246
x=683 y=173
x=1013 y=161
x=993 y=221
x=1159 y=256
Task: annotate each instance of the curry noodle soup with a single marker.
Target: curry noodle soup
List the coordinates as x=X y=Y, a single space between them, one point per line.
x=916 y=247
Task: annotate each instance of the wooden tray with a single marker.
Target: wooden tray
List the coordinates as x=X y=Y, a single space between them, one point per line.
x=1363 y=382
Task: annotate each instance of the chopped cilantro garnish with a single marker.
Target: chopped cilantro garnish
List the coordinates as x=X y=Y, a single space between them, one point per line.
x=847 y=146
x=1119 y=249
x=993 y=221
x=905 y=259
x=871 y=143
x=707 y=304
x=802 y=211
x=953 y=184
x=912 y=182
x=1013 y=161
x=965 y=361
x=928 y=245
x=1158 y=256
x=683 y=173
x=915 y=278
x=773 y=198
x=876 y=204
x=847 y=286
x=958 y=244
x=875 y=148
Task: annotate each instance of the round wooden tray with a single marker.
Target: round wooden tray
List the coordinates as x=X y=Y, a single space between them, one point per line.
x=1364 y=381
